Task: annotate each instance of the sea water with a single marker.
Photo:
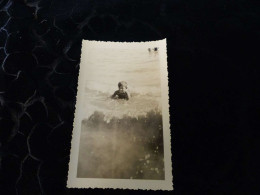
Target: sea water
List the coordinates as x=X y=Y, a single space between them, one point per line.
x=120 y=138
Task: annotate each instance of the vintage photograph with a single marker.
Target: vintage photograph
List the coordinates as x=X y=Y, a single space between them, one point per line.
x=119 y=113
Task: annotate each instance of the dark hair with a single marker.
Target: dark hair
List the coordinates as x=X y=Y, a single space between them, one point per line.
x=122 y=83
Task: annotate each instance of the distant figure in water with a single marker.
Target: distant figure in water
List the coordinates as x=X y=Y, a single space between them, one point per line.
x=122 y=92
x=153 y=50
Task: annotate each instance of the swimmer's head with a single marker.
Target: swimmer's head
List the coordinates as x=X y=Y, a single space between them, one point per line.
x=122 y=86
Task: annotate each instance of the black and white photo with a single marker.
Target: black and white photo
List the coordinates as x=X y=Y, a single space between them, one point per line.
x=121 y=136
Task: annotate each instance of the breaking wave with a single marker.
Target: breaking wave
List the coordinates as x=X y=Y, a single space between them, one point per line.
x=126 y=147
x=138 y=105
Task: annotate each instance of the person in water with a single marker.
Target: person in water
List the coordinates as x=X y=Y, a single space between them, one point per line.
x=122 y=92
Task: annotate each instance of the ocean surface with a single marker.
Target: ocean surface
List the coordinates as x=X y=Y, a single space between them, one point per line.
x=138 y=67
x=120 y=138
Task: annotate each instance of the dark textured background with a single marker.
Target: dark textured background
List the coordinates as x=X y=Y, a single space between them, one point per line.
x=213 y=48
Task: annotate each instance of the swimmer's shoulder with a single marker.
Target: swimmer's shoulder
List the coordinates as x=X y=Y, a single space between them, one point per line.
x=115 y=94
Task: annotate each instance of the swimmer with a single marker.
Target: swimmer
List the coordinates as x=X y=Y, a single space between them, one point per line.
x=156 y=49
x=122 y=92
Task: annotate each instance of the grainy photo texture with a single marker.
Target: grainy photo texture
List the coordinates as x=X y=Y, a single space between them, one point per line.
x=119 y=131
